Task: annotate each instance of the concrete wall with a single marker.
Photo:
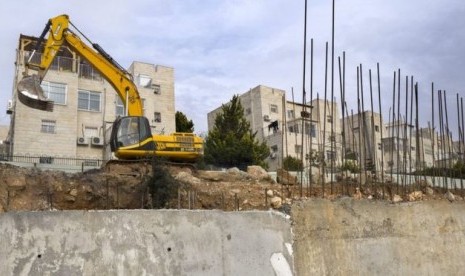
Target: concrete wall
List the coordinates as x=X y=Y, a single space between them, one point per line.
x=348 y=237
x=145 y=242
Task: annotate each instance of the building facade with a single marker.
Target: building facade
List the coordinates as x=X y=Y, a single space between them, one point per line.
x=85 y=105
x=289 y=128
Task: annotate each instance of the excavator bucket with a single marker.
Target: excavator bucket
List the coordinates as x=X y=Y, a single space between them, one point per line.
x=31 y=94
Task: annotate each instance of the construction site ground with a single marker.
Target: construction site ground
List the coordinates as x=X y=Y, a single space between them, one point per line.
x=123 y=186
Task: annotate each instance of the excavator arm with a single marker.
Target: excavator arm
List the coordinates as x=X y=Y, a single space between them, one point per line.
x=59 y=34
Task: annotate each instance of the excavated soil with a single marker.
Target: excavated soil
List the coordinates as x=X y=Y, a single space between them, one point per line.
x=132 y=187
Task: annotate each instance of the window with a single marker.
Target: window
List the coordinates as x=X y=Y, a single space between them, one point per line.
x=294 y=128
x=54 y=91
x=310 y=129
x=157 y=117
x=121 y=111
x=290 y=114
x=119 y=107
x=88 y=100
x=156 y=89
x=48 y=126
x=273 y=108
x=274 y=148
x=145 y=81
x=298 y=149
x=248 y=111
x=379 y=146
x=376 y=128
x=331 y=155
x=329 y=119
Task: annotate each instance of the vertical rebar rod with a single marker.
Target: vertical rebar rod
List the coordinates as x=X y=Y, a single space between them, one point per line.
x=381 y=126
x=311 y=116
x=359 y=130
x=325 y=118
x=398 y=129
x=373 y=137
x=406 y=140
x=391 y=123
x=417 y=127
x=410 y=126
x=460 y=141
x=441 y=135
x=303 y=96
x=363 y=126
x=449 y=152
x=332 y=155
x=433 y=134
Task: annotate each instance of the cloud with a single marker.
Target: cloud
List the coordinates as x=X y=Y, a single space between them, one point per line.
x=222 y=48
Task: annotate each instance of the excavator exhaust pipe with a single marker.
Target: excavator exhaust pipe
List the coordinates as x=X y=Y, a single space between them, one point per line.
x=31 y=94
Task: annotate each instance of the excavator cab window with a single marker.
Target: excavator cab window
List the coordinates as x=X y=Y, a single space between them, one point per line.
x=129 y=131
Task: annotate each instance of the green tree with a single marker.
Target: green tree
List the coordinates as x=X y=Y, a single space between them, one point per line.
x=231 y=142
x=292 y=164
x=183 y=124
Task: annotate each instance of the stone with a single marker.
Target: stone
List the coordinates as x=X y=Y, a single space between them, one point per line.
x=234 y=191
x=73 y=192
x=396 y=199
x=276 y=202
x=16 y=182
x=187 y=178
x=70 y=198
x=257 y=172
x=414 y=196
x=357 y=195
x=450 y=196
x=429 y=191
x=269 y=193
x=285 y=178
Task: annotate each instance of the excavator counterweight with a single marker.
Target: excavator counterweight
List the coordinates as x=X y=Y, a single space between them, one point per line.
x=30 y=93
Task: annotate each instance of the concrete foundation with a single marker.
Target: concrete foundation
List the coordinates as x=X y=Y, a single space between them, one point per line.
x=348 y=237
x=144 y=242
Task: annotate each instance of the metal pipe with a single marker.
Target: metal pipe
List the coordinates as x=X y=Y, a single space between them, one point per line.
x=381 y=126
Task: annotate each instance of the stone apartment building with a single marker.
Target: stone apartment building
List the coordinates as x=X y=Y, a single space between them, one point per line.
x=362 y=140
x=85 y=106
x=281 y=125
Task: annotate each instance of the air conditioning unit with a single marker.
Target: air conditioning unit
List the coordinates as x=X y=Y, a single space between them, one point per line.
x=82 y=141
x=273 y=155
x=266 y=118
x=96 y=141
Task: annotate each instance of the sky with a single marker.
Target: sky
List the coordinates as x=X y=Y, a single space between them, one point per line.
x=221 y=48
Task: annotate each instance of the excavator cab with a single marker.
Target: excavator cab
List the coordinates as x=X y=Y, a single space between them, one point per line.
x=131 y=137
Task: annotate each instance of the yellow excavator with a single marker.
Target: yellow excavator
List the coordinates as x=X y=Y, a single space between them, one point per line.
x=131 y=136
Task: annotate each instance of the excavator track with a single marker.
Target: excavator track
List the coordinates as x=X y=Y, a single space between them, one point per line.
x=140 y=167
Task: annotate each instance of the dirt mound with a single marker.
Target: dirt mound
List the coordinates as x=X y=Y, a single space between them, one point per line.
x=133 y=187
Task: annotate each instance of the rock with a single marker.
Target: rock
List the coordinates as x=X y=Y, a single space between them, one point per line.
x=276 y=202
x=450 y=196
x=285 y=178
x=233 y=171
x=269 y=193
x=73 y=192
x=211 y=175
x=245 y=202
x=234 y=191
x=429 y=191
x=187 y=178
x=414 y=196
x=257 y=172
x=16 y=182
x=396 y=199
x=357 y=195
x=70 y=198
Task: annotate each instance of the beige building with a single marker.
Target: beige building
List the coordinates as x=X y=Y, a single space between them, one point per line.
x=287 y=133
x=363 y=143
x=84 y=106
